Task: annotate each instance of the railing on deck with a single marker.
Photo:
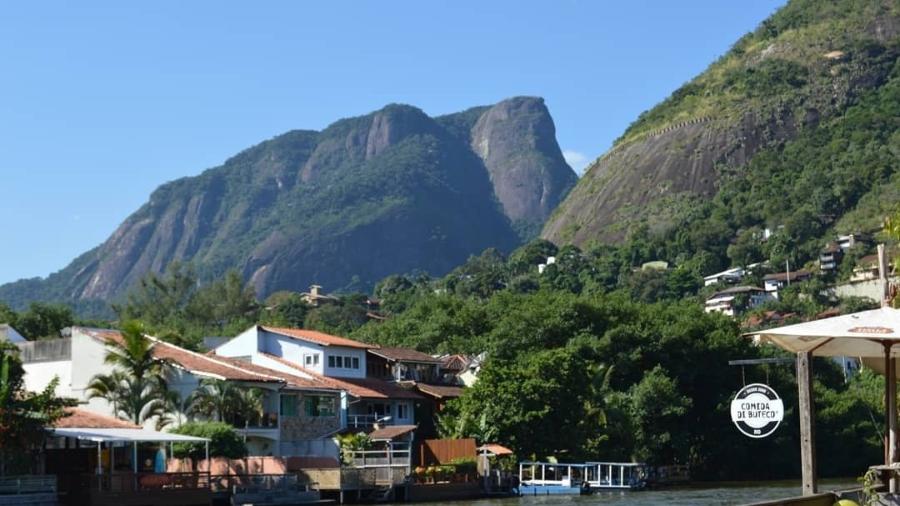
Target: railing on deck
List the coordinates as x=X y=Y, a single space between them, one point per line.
x=27 y=484
x=137 y=482
x=381 y=458
x=391 y=465
x=245 y=482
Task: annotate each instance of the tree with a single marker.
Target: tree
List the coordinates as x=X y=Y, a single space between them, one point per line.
x=136 y=388
x=44 y=320
x=226 y=401
x=224 y=441
x=24 y=416
x=658 y=410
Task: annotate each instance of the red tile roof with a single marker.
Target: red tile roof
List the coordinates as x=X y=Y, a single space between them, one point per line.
x=456 y=363
x=77 y=418
x=319 y=338
x=364 y=388
x=215 y=365
x=291 y=379
x=440 y=391
x=405 y=355
x=496 y=449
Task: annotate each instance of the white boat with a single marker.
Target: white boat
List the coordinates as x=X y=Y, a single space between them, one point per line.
x=548 y=478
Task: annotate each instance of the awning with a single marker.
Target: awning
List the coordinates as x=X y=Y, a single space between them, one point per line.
x=391 y=432
x=495 y=450
x=126 y=435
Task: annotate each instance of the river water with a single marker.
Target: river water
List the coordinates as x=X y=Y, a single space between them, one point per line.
x=708 y=495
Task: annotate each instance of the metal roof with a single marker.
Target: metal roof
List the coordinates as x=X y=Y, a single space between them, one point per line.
x=128 y=435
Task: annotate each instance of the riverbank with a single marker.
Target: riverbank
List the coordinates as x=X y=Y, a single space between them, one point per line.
x=706 y=494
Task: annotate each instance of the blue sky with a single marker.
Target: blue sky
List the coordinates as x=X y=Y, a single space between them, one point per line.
x=102 y=102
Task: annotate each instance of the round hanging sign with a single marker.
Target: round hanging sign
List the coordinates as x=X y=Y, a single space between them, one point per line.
x=757 y=410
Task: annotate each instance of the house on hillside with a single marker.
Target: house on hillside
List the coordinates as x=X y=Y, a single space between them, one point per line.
x=300 y=413
x=315 y=298
x=775 y=282
x=461 y=369
x=731 y=276
x=845 y=242
x=8 y=333
x=402 y=364
x=867 y=268
x=735 y=300
x=830 y=257
x=342 y=363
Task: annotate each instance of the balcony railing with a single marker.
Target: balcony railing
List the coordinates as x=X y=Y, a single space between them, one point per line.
x=268 y=421
x=367 y=421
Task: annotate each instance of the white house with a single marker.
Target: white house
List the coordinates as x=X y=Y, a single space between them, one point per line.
x=778 y=280
x=300 y=414
x=7 y=333
x=337 y=361
x=729 y=276
x=729 y=301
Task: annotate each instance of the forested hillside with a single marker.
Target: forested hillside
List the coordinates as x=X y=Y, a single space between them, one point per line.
x=795 y=129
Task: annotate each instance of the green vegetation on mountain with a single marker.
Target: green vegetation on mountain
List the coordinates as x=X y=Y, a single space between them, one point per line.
x=392 y=191
x=795 y=129
x=588 y=361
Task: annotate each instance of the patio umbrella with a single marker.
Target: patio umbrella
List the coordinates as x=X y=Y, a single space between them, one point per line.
x=873 y=335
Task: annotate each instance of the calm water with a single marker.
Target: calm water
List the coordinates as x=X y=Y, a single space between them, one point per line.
x=712 y=495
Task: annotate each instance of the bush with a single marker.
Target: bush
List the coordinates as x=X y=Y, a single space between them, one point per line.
x=224 y=441
x=464 y=465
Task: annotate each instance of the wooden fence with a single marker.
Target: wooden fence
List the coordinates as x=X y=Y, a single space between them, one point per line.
x=442 y=451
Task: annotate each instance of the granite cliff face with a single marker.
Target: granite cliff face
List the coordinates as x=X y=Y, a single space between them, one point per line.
x=797 y=74
x=516 y=140
x=392 y=191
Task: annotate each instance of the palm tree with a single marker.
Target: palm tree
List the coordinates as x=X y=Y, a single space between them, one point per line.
x=226 y=401
x=137 y=387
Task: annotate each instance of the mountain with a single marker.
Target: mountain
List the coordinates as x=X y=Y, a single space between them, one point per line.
x=796 y=128
x=392 y=191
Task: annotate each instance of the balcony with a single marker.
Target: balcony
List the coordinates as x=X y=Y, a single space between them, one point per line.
x=265 y=426
x=367 y=421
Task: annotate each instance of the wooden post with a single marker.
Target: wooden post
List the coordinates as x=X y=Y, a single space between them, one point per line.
x=807 y=423
x=890 y=409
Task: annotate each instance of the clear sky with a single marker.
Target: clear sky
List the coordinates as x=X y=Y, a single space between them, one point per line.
x=100 y=102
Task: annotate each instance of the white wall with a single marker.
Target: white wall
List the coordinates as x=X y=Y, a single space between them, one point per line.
x=244 y=344
x=39 y=374
x=292 y=350
x=345 y=372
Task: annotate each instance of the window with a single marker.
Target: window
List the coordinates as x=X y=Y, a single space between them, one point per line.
x=288 y=405
x=403 y=411
x=330 y=361
x=356 y=362
x=318 y=405
x=311 y=360
x=340 y=362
